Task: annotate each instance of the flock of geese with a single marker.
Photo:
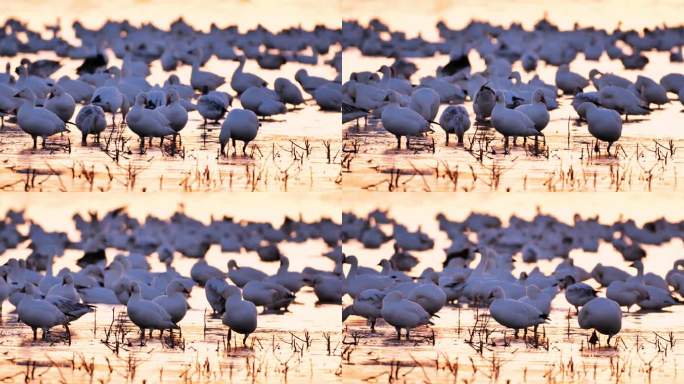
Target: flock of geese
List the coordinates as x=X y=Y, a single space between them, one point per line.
x=158 y=300
x=43 y=106
x=499 y=96
x=405 y=299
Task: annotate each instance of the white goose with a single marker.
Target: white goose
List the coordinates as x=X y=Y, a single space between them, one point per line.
x=91 y=120
x=37 y=121
x=146 y=314
x=513 y=313
x=289 y=93
x=367 y=304
x=604 y=124
x=241 y=124
x=213 y=105
x=241 y=80
x=401 y=121
x=204 y=81
x=174 y=302
x=403 y=314
x=147 y=122
x=511 y=122
x=603 y=315
x=61 y=103
x=455 y=120
x=243 y=275
x=239 y=315
x=175 y=113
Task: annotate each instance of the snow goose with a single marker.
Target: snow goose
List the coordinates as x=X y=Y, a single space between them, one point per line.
x=455 y=119
x=243 y=275
x=401 y=121
x=110 y=99
x=213 y=105
x=651 y=92
x=213 y=290
x=484 y=102
x=328 y=289
x=605 y=275
x=511 y=122
x=175 y=113
x=37 y=121
x=403 y=314
x=201 y=272
x=329 y=97
x=513 y=313
x=293 y=281
x=429 y=296
x=538 y=299
x=578 y=294
x=242 y=125
x=147 y=122
x=272 y=296
x=241 y=80
x=288 y=92
x=174 y=302
x=309 y=83
x=262 y=101
x=204 y=81
x=239 y=315
x=61 y=103
x=622 y=100
x=367 y=304
x=570 y=82
x=147 y=314
x=91 y=120
x=602 y=315
x=356 y=282
x=79 y=90
x=626 y=293
x=425 y=101
x=604 y=124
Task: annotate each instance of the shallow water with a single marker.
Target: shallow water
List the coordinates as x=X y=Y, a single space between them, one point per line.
x=446 y=352
x=649 y=156
x=302 y=345
x=295 y=151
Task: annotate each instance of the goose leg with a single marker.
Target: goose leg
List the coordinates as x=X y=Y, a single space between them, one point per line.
x=398 y=333
x=460 y=139
x=35 y=142
x=447 y=139
x=83 y=139
x=407 y=143
x=407 y=333
x=373 y=325
x=506 y=144
x=244 y=148
x=142 y=336
x=35 y=333
x=398 y=142
x=230 y=335
x=244 y=341
x=608 y=149
x=68 y=332
x=516 y=333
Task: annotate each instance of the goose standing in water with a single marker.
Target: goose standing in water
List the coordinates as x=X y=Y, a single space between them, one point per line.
x=578 y=294
x=511 y=122
x=91 y=120
x=37 y=121
x=214 y=105
x=483 y=103
x=604 y=124
x=455 y=120
x=61 y=103
x=241 y=80
x=367 y=304
x=603 y=315
x=288 y=92
x=403 y=314
x=111 y=100
x=242 y=125
x=425 y=101
x=513 y=313
x=570 y=82
x=204 y=81
x=175 y=113
x=401 y=121
x=174 y=302
x=147 y=314
x=239 y=315
x=536 y=111
x=147 y=122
